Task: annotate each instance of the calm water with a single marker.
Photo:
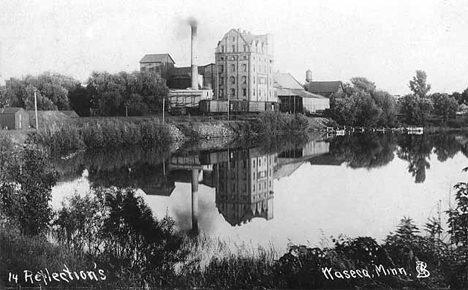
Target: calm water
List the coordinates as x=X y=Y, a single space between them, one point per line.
x=360 y=185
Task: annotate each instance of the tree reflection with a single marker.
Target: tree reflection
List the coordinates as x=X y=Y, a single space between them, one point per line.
x=416 y=149
x=364 y=151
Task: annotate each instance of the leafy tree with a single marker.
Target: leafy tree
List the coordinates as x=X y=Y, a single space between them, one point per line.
x=464 y=96
x=141 y=92
x=387 y=104
x=444 y=106
x=25 y=193
x=43 y=103
x=415 y=110
x=457 y=96
x=80 y=100
x=4 y=100
x=418 y=84
x=362 y=83
x=363 y=105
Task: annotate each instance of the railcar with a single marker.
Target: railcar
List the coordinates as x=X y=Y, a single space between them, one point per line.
x=213 y=107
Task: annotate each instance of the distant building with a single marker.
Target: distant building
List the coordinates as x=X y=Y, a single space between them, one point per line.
x=244 y=64
x=162 y=64
x=323 y=88
x=294 y=99
x=14 y=119
x=180 y=77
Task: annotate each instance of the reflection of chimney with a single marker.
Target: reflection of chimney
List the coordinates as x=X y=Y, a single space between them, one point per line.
x=194 y=57
x=195 y=200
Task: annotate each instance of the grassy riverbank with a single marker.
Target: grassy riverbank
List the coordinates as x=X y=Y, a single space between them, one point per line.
x=97 y=133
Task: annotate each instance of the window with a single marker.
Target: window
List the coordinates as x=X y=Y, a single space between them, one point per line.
x=233 y=67
x=233 y=92
x=233 y=80
x=254 y=92
x=143 y=69
x=254 y=78
x=221 y=93
x=221 y=81
x=222 y=58
x=245 y=47
x=221 y=68
x=244 y=92
x=222 y=48
x=244 y=80
x=244 y=67
x=233 y=39
x=233 y=48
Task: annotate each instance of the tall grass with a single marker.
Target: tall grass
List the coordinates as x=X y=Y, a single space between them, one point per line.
x=273 y=123
x=103 y=133
x=220 y=264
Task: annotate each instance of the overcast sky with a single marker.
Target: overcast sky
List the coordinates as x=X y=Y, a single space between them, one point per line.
x=385 y=41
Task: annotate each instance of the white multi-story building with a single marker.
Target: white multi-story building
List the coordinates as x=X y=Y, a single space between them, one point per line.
x=244 y=65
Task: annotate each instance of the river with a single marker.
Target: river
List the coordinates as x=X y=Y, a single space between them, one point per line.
x=354 y=185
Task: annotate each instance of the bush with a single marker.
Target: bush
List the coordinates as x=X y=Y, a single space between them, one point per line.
x=103 y=133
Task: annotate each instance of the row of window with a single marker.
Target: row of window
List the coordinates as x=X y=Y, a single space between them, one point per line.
x=232 y=80
x=245 y=48
x=261 y=68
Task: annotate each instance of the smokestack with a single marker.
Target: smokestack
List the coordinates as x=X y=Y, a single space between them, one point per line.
x=194 y=57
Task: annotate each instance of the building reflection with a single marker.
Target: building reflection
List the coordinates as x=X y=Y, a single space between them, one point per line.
x=242 y=178
x=244 y=185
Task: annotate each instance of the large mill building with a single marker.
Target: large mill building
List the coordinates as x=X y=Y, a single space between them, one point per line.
x=244 y=65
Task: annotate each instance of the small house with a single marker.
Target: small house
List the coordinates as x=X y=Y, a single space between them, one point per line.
x=14 y=119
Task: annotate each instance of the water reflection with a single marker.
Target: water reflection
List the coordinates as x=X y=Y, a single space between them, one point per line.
x=243 y=178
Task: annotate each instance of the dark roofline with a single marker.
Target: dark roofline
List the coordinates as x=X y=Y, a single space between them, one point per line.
x=166 y=54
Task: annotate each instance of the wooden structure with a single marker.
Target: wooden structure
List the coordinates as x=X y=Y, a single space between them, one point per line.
x=14 y=119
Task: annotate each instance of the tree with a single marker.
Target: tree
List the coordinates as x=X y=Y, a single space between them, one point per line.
x=444 y=106
x=25 y=192
x=362 y=83
x=43 y=103
x=80 y=100
x=464 y=96
x=418 y=84
x=415 y=110
x=141 y=92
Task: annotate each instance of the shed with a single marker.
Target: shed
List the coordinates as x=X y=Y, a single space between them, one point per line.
x=14 y=119
x=293 y=97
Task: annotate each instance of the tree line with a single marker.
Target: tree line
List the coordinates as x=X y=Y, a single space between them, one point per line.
x=105 y=94
x=362 y=104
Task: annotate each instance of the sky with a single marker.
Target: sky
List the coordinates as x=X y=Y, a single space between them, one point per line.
x=384 y=41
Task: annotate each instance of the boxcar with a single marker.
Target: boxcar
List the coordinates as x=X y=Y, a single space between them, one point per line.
x=213 y=106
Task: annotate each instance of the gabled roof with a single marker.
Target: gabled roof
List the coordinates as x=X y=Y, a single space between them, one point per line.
x=162 y=57
x=9 y=110
x=324 y=87
x=285 y=81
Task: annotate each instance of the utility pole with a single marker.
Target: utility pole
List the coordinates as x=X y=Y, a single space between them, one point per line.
x=229 y=106
x=164 y=106
x=35 y=108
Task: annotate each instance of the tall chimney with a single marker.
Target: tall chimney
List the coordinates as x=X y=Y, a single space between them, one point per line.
x=194 y=58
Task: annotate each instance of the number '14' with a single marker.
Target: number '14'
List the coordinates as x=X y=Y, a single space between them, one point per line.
x=12 y=277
